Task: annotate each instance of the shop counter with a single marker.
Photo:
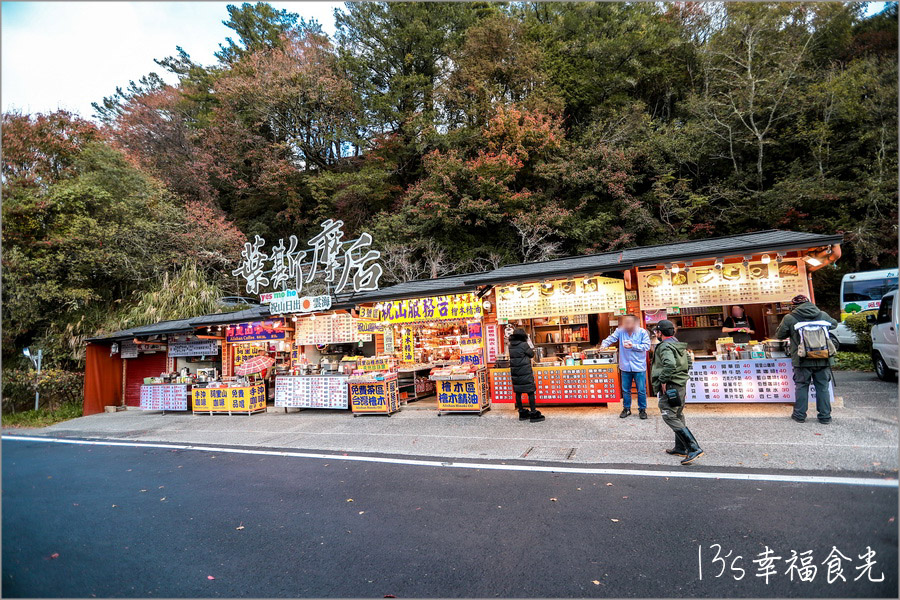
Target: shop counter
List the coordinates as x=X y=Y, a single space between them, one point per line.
x=413 y=379
x=581 y=384
x=463 y=395
x=746 y=380
x=375 y=397
x=312 y=391
x=230 y=400
x=165 y=396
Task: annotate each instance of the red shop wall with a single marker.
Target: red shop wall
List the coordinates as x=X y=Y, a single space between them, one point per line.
x=145 y=365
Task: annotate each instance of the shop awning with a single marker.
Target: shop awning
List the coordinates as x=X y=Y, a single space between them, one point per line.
x=161 y=328
x=608 y=263
x=749 y=243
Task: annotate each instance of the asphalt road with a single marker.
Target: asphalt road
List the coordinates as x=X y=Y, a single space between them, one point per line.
x=85 y=521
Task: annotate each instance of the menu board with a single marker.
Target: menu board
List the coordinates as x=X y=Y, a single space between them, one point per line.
x=200 y=348
x=755 y=380
x=322 y=391
x=577 y=296
x=164 y=397
x=587 y=384
x=733 y=284
x=338 y=328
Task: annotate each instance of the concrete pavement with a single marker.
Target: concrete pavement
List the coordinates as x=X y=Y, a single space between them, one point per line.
x=862 y=438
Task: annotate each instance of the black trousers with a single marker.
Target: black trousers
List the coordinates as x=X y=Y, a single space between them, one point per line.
x=519 y=400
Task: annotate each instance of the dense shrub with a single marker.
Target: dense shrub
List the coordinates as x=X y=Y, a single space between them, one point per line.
x=56 y=387
x=858 y=324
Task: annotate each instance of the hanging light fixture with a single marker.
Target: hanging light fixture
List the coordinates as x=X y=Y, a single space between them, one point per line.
x=676 y=269
x=719 y=264
x=766 y=259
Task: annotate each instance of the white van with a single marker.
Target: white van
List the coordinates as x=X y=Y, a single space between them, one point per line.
x=884 y=338
x=860 y=293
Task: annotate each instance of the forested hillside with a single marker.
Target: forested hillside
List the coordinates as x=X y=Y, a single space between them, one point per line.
x=462 y=136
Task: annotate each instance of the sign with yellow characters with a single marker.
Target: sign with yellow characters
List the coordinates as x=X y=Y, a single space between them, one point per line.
x=420 y=310
x=576 y=296
x=466 y=395
x=376 y=397
x=230 y=400
x=244 y=352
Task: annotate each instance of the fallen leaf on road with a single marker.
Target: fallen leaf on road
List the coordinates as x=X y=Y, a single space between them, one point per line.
x=553 y=500
x=595 y=582
x=609 y=484
x=362 y=512
x=114 y=506
x=143 y=490
x=817 y=434
x=129 y=470
x=614 y=520
x=389 y=596
x=74 y=504
x=210 y=577
x=160 y=487
x=579 y=489
x=163 y=498
x=349 y=499
x=765 y=453
x=239 y=527
x=624 y=497
x=891 y=520
x=54 y=555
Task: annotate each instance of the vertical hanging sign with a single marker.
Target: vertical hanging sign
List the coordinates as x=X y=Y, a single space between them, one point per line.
x=408 y=347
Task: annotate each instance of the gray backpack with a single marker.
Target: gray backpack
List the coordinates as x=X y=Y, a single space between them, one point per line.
x=814 y=340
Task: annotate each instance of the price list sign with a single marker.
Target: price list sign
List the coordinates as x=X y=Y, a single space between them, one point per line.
x=759 y=380
x=581 y=295
x=733 y=284
x=164 y=397
x=312 y=392
x=587 y=384
x=339 y=328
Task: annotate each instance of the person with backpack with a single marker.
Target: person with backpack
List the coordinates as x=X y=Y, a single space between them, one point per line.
x=669 y=376
x=521 y=351
x=812 y=354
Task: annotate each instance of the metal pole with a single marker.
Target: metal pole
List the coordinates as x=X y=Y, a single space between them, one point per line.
x=37 y=393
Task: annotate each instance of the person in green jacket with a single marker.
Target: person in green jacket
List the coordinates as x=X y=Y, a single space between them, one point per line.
x=669 y=376
x=806 y=370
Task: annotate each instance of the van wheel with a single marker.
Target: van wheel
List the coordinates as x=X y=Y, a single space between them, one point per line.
x=881 y=368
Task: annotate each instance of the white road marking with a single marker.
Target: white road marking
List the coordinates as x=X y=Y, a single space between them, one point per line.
x=682 y=474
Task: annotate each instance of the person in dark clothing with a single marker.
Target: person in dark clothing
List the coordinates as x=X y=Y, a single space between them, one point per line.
x=520 y=355
x=739 y=325
x=808 y=370
x=670 y=375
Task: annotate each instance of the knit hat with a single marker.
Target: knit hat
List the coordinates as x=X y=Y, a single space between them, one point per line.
x=665 y=327
x=799 y=299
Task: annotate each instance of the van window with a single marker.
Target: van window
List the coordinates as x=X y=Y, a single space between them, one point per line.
x=867 y=291
x=886 y=310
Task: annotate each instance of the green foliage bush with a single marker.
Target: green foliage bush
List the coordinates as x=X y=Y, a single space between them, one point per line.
x=853 y=361
x=860 y=327
x=56 y=386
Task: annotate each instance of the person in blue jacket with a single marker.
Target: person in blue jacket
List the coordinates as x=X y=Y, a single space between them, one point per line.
x=634 y=342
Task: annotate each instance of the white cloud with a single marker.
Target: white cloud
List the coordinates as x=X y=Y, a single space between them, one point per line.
x=69 y=54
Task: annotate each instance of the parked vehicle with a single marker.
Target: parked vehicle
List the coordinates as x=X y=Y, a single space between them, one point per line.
x=884 y=337
x=860 y=293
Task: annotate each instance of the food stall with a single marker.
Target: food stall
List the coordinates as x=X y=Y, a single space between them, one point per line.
x=320 y=362
x=426 y=333
x=698 y=298
x=566 y=319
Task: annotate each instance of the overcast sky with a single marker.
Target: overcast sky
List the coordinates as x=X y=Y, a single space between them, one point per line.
x=69 y=54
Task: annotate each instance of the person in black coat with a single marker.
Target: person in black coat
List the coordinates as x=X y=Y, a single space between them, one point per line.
x=520 y=354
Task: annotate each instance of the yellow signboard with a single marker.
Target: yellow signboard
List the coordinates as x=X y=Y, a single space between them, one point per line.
x=420 y=310
x=377 y=397
x=468 y=395
x=230 y=400
x=244 y=352
x=408 y=346
x=377 y=363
